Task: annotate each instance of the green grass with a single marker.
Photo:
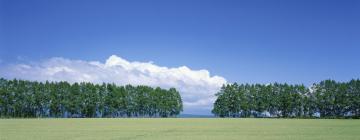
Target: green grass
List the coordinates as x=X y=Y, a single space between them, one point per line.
x=173 y=129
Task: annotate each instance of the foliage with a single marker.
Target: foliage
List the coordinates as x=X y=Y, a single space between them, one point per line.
x=21 y=98
x=327 y=99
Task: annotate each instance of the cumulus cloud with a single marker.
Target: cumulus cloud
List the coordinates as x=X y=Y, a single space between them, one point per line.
x=197 y=87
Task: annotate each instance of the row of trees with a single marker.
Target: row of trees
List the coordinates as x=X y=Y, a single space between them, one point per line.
x=327 y=99
x=21 y=98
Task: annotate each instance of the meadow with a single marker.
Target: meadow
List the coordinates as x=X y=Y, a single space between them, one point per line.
x=179 y=129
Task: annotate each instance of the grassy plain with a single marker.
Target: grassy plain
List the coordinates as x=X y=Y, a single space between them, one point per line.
x=179 y=129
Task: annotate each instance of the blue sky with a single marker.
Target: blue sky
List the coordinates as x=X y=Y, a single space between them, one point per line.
x=254 y=41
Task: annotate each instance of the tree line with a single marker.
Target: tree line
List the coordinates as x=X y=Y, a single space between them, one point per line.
x=327 y=99
x=26 y=99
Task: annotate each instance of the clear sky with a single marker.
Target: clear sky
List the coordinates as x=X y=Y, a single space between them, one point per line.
x=254 y=41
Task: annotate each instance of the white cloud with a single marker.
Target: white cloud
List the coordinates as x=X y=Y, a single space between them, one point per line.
x=197 y=87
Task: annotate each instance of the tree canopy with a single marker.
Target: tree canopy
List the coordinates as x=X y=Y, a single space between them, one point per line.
x=22 y=98
x=327 y=99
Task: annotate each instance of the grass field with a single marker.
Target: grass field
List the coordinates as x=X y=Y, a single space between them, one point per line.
x=173 y=129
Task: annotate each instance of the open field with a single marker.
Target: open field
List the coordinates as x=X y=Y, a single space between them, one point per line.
x=170 y=129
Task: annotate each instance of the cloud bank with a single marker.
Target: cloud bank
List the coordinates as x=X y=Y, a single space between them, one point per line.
x=197 y=87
